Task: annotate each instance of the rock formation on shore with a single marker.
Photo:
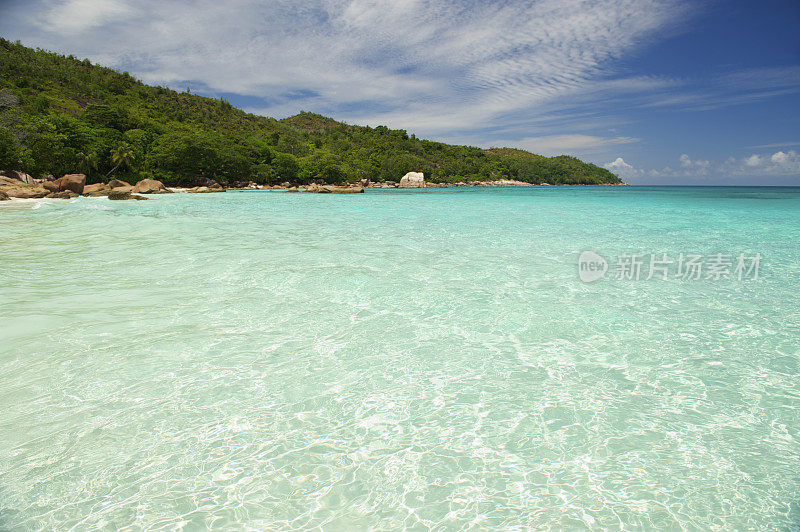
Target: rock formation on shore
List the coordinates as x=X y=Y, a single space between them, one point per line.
x=98 y=189
x=22 y=176
x=413 y=180
x=150 y=186
x=122 y=194
x=205 y=190
x=15 y=188
x=17 y=185
x=72 y=182
x=64 y=194
x=333 y=189
x=116 y=183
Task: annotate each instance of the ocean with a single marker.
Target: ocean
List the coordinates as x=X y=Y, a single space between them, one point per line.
x=461 y=358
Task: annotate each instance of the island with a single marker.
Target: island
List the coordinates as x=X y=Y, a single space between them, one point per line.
x=62 y=117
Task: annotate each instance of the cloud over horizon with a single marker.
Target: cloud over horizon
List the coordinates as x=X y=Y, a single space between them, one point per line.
x=780 y=164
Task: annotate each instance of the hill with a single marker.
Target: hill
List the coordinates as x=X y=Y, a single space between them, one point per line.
x=60 y=114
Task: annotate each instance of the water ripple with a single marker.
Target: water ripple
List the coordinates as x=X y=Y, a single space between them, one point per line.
x=395 y=361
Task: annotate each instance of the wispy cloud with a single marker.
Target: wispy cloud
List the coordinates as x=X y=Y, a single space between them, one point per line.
x=726 y=89
x=776 y=145
x=564 y=144
x=440 y=66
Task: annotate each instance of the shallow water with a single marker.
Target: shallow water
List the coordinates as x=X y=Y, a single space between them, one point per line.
x=424 y=359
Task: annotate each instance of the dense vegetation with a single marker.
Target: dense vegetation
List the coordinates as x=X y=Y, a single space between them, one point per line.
x=60 y=115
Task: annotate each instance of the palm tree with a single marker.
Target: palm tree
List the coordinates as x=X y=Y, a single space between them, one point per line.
x=121 y=156
x=87 y=162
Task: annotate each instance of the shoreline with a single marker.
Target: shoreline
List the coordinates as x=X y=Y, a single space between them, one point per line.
x=388 y=185
x=22 y=187
x=303 y=188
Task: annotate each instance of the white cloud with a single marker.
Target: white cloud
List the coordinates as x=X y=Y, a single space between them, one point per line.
x=782 y=163
x=618 y=164
x=700 y=165
x=70 y=16
x=780 y=157
x=753 y=161
x=623 y=169
x=779 y=164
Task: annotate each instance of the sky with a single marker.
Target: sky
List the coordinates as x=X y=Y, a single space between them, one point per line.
x=701 y=92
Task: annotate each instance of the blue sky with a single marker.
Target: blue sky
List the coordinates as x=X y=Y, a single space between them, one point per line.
x=683 y=92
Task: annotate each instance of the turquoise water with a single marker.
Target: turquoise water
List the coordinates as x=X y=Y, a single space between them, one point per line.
x=420 y=359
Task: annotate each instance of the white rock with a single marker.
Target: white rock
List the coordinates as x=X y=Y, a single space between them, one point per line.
x=413 y=180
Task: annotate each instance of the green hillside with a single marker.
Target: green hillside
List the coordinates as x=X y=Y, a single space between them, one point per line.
x=60 y=115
